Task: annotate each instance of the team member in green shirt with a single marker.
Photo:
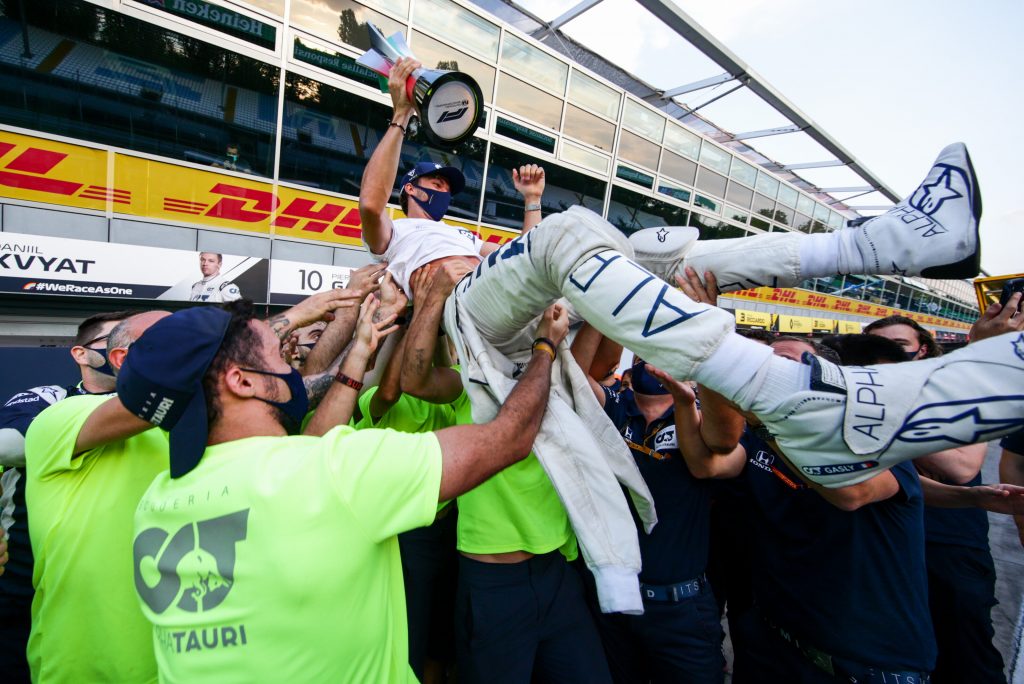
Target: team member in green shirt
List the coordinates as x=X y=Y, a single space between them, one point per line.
x=520 y=608
x=274 y=557
x=81 y=493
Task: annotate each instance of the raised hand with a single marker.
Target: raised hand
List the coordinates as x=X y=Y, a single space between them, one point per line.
x=366 y=279
x=681 y=391
x=529 y=181
x=998 y=319
x=400 y=73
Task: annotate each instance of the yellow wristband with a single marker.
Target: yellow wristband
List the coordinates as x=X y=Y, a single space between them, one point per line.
x=545 y=346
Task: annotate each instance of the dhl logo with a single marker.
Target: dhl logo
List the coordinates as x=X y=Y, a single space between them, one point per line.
x=28 y=169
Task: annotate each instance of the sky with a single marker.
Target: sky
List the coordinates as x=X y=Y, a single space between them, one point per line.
x=892 y=81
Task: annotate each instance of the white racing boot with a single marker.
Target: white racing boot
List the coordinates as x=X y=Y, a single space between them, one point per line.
x=842 y=425
x=932 y=233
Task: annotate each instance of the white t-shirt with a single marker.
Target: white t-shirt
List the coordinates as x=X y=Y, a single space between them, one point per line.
x=215 y=289
x=415 y=242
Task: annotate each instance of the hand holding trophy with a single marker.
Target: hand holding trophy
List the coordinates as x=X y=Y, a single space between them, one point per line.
x=449 y=104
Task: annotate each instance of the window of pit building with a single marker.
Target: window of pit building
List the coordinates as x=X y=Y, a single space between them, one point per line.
x=103 y=76
x=328 y=135
x=630 y=211
x=503 y=205
x=342 y=20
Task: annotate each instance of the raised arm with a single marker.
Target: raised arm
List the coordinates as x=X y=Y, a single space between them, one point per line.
x=431 y=286
x=529 y=181
x=339 y=403
x=584 y=348
x=338 y=332
x=472 y=453
x=110 y=422
x=382 y=169
x=320 y=306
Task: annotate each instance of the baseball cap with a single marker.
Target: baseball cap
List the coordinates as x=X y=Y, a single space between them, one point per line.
x=161 y=380
x=456 y=181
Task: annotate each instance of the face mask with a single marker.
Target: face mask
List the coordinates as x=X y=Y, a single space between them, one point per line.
x=436 y=203
x=106 y=368
x=911 y=355
x=233 y=157
x=645 y=383
x=296 y=407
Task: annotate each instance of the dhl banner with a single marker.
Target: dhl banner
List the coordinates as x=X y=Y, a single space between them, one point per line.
x=795 y=324
x=753 y=319
x=786 y=296
x=40 y=170
x=848 y=327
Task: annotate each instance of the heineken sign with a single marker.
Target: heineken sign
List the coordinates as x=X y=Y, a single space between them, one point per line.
x=220 y=18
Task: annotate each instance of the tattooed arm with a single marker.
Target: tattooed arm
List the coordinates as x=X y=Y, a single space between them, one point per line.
x=313 y=308
x=338 y=332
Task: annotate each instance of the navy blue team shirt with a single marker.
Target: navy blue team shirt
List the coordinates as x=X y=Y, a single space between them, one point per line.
x=852 y=584
x=677 y=550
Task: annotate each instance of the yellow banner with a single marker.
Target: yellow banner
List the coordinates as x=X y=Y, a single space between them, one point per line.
x=753 y=319
x=42 y=170
x=795 y=324
x=823 y=325
x=848 y=327
x=786 y=296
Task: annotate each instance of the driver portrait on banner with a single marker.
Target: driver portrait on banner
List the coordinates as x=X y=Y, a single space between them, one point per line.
x=214 y=287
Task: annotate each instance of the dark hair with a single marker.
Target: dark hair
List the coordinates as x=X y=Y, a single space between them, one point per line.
x=924 y=338
x=90 y=327
x=762 y=336
x=241 y=346
x=820 y=350
x=865 y=350
x=403 y=197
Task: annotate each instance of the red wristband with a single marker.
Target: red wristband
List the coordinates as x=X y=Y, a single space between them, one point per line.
x=350 y=382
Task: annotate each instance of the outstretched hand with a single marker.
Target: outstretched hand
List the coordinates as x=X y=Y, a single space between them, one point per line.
x=998 y=319
x=318 y=307
x=705 y=292
x=397 y=79
x=529 y=181
x=366 y=279
x=370 y=332
x=999 y=498
x=681 y=391
x=555 y=323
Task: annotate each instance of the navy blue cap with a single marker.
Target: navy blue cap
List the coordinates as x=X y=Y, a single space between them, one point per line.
x=456 y=181
x=161 y=380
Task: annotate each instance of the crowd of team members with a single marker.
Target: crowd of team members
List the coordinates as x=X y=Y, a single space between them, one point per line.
x=862 y=583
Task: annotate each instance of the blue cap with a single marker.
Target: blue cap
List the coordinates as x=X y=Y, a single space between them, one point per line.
x=456 y=181
x=161 y=380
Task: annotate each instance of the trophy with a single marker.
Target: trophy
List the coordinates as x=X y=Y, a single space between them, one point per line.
x=449 y=104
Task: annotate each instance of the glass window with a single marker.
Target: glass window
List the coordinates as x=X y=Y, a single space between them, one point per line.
x=802 y=222
x=330 y=59
x=343 y=20
x=634 y=176
x=630 y=211
x=116 y=80
x=739 y=194
x=222 y=19
x=563 y=188
x=534 y=64
x=683 y=170
x=817 y=226
x=835 y=221
x=524 y=134
x=638 y=150
x=787 y=195
x=743 y=172
x=820 y=213
x=711 y=182
x=715 y=158
x=713 y=228
x=783 y=214
x=588 y=128
x=533 y=103
x=399 y=7
x=766 y=185
x=805 y=205
x=736 y=214
x=707 y=203
x=272 y=6
x=328 y=135
x=757 y=222
x=680 y=140
x=584 y=157
x=681 y=194
x=592 y=95
x=435 y=54
x=642 y=120
x=474 y=33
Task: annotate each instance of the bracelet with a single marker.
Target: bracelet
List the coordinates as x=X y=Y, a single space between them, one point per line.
x=545 y=344
x=397 y=125
x=533 y=207
x=347 y=381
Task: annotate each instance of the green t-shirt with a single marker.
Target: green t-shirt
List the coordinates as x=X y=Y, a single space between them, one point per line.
x=86 y=622
x=408 y=414
x=515 y=510
x=276 y=557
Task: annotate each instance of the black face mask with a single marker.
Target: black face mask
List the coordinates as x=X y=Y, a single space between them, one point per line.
x=911 y=355
x=106 y=369
x=294 y=409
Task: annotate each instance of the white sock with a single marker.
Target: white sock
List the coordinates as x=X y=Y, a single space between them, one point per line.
x=733 y=365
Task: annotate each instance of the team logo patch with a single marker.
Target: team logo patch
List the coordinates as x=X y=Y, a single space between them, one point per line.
x=763 y=460
x=963 y=422
x=838 y=468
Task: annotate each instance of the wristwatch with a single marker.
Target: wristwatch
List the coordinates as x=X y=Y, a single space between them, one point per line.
x=534 y=207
